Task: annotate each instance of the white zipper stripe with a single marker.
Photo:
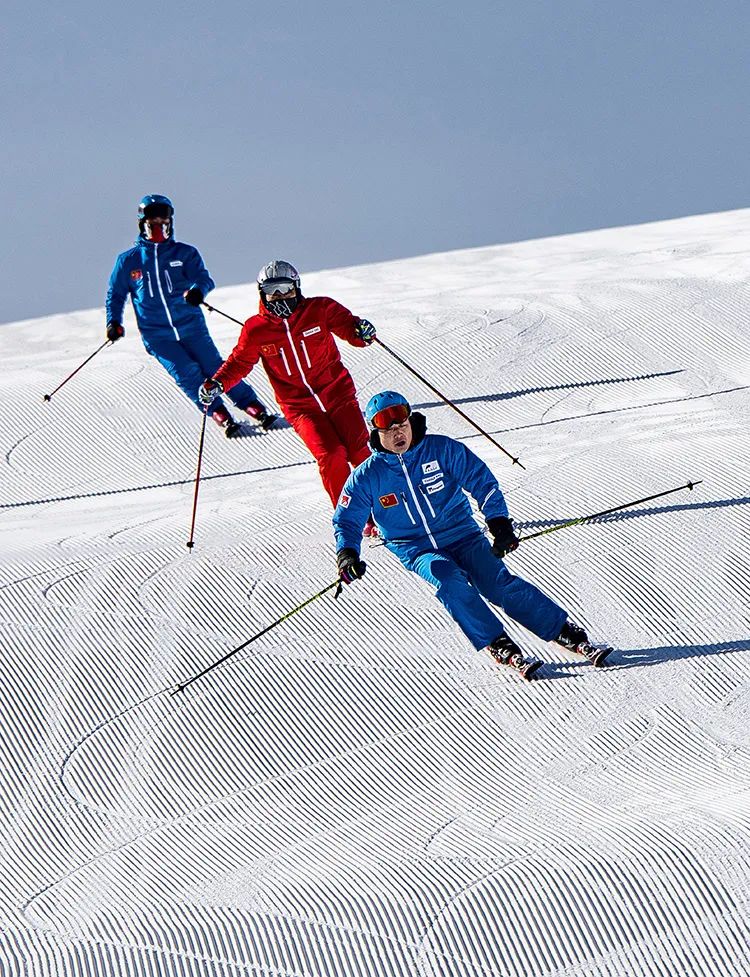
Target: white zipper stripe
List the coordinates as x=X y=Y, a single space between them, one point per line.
x=148 y=279
x=299 y=367
x=487 y=497
x=408 y=510
x=416 y=503
x=304 y=350
x=429 y=504
x=161 y=292
x=286 y=365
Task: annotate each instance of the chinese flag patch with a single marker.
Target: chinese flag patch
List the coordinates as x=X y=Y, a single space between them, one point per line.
x=388 y=501
x=344 y=501
x=136 y=275
x=269 y=350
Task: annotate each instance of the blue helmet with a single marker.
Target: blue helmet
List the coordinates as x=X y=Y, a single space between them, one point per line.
x=383 y=400
x=156 y=205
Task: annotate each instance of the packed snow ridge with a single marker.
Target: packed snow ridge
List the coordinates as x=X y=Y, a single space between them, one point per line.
x=359 y=793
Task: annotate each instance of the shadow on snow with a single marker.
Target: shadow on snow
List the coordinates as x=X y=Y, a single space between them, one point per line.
x=510 y=394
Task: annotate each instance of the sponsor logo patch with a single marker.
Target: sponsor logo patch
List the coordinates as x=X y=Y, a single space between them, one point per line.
x=175 y=264
x=311 y=332
x=269 y=350
x=430 y=466
x=136 y=275
x=437 y=487
x=344 y=501
x=388 y=501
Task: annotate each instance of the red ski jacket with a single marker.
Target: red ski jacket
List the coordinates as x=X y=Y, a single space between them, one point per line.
x=299 y=355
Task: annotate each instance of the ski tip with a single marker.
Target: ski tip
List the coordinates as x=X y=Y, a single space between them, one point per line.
x=602 y=657
x=530 y=670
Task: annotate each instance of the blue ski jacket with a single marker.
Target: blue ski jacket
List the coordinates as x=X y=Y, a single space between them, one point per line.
x=418 y=498
x=156 y=276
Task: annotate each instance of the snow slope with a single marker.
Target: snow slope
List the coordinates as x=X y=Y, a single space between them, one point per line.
x=359 y=793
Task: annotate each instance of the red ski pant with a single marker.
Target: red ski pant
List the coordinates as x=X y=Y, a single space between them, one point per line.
x=336 y=439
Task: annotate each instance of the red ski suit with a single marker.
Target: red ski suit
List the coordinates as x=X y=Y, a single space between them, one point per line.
x=311 y=384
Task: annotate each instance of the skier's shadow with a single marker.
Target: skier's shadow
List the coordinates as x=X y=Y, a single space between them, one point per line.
x=639 y=657
x=249 y=430
x=510 y=394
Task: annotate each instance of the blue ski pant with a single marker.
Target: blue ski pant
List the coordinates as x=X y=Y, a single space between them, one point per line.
x=467 y=571
x=191 y=360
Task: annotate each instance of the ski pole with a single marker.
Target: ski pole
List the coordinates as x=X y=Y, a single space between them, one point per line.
x=48 y=397
x=516 y=461
x=183 y=685
x=231 y=318
x=606 y=512
x=190 y=542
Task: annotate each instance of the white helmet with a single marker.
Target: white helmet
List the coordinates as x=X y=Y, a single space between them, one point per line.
x=279 y=287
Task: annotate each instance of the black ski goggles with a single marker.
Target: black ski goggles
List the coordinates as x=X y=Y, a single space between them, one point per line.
x=157 y=210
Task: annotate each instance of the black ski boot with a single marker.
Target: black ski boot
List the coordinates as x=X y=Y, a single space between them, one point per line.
x=575 y=638
x=261 y=416
x=507 y=652
x=232 y=429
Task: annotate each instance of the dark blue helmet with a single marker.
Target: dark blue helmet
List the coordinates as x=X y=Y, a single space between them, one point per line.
x=156 y=205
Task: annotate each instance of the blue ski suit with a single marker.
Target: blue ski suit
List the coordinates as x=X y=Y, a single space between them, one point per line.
x=417 y=500
x=156 y=276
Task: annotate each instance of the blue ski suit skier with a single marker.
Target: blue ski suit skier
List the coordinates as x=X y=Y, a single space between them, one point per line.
x=167 y=282
x=414 y=485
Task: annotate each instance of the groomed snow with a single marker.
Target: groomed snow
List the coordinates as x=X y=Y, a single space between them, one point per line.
x=360 y=793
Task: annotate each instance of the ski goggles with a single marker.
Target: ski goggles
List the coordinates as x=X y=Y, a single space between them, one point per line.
x=389 y=417
x=157 y=210
x=278 y=288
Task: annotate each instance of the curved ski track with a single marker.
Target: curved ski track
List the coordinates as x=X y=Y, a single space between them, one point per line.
x=359 y=793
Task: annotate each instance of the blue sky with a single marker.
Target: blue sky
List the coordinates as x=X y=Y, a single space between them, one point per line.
x=335 y=134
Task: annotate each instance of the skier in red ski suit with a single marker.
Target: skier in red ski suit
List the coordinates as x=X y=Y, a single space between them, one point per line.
x=294 y=338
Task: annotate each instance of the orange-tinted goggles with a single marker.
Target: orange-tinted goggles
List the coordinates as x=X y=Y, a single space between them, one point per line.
x=391 y=416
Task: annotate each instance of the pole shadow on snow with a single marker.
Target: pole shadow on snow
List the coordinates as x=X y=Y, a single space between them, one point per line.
x=156 y=485
x=510 y=394
x=636 y=513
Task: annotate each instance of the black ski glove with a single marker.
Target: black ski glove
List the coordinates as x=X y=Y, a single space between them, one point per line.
x=365 y=331
x=504 y=539
x=193 y=296
x=114 y=331
x=349 y=564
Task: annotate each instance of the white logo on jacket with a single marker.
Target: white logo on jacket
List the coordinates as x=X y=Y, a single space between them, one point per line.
x=430 y=466
x=311 y=332
x=175 y=264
